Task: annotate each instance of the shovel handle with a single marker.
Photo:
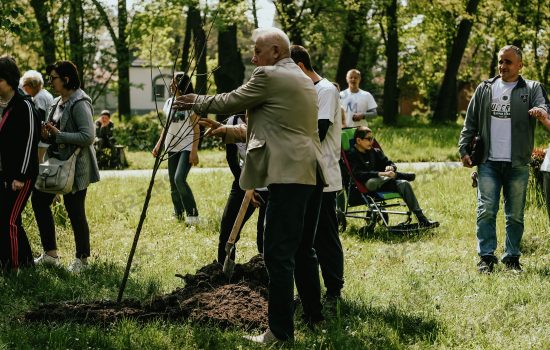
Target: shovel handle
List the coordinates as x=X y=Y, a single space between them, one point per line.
x=240 y=216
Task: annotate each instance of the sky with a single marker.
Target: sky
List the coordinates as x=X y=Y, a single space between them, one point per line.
x=265 y=9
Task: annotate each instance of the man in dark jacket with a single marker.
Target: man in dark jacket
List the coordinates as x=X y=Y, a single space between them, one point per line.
x=371 y=166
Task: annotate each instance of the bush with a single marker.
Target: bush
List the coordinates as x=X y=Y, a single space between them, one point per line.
x=140 y=133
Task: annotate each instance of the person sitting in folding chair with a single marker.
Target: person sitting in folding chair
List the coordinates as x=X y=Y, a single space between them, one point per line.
x=371 y=166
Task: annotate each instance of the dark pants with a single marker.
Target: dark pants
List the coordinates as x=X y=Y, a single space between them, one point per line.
x=328 y=246
x=75 y=206
x=291 y=221
x=230 y=212
x=15 y=250
x=182 y=196
x=402 y=187
x=546 y=184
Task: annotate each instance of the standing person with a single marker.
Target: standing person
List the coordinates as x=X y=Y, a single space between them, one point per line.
x=69 y=127
x=104 y=130
x=358 y=104
x=284 y=154
x=182 y=144
x=33 y=84
x=18 y=166
x=499 y=113
x=327 y=241
x=544 y=118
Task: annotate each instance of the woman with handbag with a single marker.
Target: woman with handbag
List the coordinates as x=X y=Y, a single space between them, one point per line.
x=18 y=165
x=69 y=129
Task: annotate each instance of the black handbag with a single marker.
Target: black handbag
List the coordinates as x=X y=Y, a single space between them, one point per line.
x=475 y=150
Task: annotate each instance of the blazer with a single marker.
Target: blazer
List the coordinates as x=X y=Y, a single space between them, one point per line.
x=77 y=131
x=283 y=144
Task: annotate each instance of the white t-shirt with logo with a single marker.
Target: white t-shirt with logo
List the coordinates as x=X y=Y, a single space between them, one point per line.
x=180 y=132
x=356 y=102
x=329 y=108
x=501 y=121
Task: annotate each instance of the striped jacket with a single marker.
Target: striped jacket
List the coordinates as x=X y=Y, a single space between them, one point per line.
x=77 y=129
x=19 y=134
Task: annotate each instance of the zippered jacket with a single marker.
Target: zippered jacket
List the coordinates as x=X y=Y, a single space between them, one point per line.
x=19 y=135
x=525 y=95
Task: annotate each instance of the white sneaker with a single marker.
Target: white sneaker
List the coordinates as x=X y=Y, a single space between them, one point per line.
x=77 y=266
x=45 y=259
x=192 y=220
x=266 y=338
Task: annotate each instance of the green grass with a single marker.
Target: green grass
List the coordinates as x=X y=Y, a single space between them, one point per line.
x=401 y=292
x=209 y=158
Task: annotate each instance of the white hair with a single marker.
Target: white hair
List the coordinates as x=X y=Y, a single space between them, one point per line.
x=32 y=78
x=271 y=32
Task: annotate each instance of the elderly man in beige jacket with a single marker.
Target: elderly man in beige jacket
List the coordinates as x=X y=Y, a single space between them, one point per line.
x=284 y=154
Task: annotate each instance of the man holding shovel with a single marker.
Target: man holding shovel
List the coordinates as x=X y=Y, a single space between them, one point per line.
x=284 y=154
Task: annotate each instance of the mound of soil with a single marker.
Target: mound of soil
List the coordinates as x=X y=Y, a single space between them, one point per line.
x=207 y=297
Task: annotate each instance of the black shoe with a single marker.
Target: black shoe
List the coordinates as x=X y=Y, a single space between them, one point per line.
x=486 y=264
x=405 y=176
x=512 y=263
x=313 y=323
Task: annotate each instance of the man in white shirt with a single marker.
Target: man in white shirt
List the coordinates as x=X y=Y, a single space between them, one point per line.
x=327 y=242
x=358 y=104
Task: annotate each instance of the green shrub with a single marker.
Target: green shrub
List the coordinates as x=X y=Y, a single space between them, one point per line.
x=140 y=133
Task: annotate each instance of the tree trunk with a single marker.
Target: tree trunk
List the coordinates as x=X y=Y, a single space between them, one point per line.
x=290 y=19
x=185 y=52
x=76 y=28
x=230 y=73
x=447 y=100
x=522 y=7
x=391 y=92
x=351 y=47
x=47 y=31
x=254 y=14
x=199 y=36
x=123 y=63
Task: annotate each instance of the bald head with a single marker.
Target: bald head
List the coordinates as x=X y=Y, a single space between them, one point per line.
x=271 y=46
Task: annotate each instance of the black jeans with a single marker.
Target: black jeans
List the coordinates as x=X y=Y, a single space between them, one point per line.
x=291 y=221
x=182 y=196
x=230 y=212
x=75 y=206
x=15 y=250
x=328 y=246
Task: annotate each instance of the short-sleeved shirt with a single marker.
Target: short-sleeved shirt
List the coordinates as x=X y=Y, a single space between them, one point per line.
x=329 y=109
x=546 y=163
x=356 y=102
x=501 y=122
x=180 y=132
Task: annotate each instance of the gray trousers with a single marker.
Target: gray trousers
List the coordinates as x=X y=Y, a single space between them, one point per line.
x=403 y=187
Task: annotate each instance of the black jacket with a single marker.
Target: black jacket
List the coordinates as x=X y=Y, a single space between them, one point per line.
x=367 y=165
x=19 y=135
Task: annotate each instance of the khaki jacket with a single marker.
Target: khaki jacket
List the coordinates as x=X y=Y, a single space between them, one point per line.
x=283 y=144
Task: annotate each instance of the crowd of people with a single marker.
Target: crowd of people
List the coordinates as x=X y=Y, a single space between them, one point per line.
x=283 y=148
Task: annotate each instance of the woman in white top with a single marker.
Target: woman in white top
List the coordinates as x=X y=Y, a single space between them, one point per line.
x=181 y=143
x=544 y=117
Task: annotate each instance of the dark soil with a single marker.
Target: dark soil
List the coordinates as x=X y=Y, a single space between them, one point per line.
x=207 y=297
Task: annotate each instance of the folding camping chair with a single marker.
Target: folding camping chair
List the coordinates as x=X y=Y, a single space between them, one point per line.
x=360 y=203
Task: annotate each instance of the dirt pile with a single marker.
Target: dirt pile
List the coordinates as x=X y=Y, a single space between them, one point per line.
x=207 y=297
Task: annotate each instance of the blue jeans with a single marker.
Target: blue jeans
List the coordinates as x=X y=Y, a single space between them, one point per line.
x=182 y=196
x=492 y=177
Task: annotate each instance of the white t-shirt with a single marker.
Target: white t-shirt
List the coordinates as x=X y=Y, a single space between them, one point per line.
x=501 y=122
x=241 y=146
x=43 y=100
x=329 y=108
x=356 y=102
x=546 y=163
x=180 y=132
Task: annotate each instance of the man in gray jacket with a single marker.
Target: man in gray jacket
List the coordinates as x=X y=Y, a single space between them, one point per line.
x=499 y=112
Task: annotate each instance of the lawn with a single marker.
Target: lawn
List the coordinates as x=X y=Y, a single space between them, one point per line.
x=402 y=292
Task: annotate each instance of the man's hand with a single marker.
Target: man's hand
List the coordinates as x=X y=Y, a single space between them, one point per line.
x=16 y=185
x=256 y=200
x=215 y=128
x=390 y=174
x=466 y=161
x=358 y=116
x=390 y=168
x=184 y=102
x=539 y=113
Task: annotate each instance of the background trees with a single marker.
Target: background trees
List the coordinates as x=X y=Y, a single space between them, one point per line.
x=416 y=57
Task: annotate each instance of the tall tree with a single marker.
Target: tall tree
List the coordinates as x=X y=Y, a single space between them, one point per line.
x=122 y=54
x=391 y=90
x=289 y=13
x=199 y=49
x=43 y=15
x=76 y=36
x=354 y=39
x=447 y=100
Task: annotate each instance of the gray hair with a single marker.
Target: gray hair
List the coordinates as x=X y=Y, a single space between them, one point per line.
x=32 y=78
x=513 y=48
x=271 y=32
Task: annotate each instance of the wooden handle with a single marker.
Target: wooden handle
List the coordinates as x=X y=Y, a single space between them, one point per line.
x=240 y=216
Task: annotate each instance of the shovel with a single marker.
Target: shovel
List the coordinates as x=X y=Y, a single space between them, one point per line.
x=229 y=264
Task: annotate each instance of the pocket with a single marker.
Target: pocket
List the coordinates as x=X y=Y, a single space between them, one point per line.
x=255 y=144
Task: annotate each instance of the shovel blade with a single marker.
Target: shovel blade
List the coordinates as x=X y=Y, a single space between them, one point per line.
x=229 y=264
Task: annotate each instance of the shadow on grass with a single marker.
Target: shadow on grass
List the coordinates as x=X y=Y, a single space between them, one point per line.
x=382 y=234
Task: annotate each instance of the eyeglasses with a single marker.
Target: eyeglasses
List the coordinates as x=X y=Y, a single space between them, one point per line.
x=368 y=138
x=53 y=77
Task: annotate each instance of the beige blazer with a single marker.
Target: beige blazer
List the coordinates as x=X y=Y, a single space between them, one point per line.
x=283 y=144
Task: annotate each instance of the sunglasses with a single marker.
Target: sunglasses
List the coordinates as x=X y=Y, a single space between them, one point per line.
x=368 y=138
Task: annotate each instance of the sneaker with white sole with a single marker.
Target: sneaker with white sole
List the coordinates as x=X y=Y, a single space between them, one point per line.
x=45 y=259
x=265 y=338
x=192 y=220
x=77 y=266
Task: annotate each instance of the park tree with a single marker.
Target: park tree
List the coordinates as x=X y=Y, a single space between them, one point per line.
x=45 y=17
x=391 y=43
